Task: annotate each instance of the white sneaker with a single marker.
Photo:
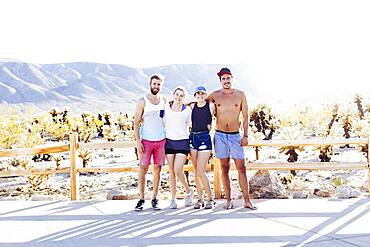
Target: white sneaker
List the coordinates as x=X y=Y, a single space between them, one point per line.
x=189 y=199
x=173 y=204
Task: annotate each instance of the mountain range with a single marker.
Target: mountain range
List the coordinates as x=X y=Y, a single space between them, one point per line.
x=98 y=87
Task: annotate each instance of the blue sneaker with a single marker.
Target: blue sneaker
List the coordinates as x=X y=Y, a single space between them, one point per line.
x=155 y=204
x=140 y=205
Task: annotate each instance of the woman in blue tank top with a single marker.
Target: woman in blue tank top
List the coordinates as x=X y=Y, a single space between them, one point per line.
x=201 y=144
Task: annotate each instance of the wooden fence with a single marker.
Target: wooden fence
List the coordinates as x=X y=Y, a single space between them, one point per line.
x=74 y=170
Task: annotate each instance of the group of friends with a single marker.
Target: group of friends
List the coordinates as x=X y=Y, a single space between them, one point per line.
x=172 y=129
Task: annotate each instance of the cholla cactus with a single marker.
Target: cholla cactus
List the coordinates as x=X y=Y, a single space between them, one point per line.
x=87 y=127
x=129 y=135
x=21 y=163
x=107 y=118
x=334 y=117
x=31 y=139
x=362 y=130
x=326 y=130
x=16 y=132
x=263 y=120
x=55 y=112
x=367 y=108
x=54 y=125
x=58 y=130
x=296 y=117
x=86 y=155
x=37 y=182
x=254 y=135
x=65 y=115
x=104 y=119
x=57 y=159
x=291 y=134
x=77 y=125
x=125 y=122
x=347 y=119
x=360 y=127
x=10 y=130
x=358 y=102
x=346 y=122
x=110 y=132
x=87 y=133
x=326 y=151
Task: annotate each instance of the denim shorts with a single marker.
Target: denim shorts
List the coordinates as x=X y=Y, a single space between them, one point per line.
x=200 y=141
x=227 y=145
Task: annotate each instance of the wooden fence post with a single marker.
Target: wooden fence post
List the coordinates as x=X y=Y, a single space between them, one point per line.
x=74 y=174
x=217 y=178
x=257 y=149
x=368 y=162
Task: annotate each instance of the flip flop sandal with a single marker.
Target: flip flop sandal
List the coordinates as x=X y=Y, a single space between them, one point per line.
x=250 y=206
x=229 y=205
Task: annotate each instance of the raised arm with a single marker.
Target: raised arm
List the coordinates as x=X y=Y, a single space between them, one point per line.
x=244 y=110
x=137 y=121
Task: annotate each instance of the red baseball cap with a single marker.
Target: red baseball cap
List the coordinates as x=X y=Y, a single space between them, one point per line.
x=224 y=71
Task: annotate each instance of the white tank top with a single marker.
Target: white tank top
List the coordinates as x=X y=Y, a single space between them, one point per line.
x=152 y=127
x=177 y=123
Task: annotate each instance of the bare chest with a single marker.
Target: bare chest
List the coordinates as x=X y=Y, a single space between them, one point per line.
x=227 y=103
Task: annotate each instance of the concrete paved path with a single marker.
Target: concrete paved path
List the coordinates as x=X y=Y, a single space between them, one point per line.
x=306 y=222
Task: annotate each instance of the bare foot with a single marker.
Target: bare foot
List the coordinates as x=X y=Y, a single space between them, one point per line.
x=250 y=205
x=229 y=205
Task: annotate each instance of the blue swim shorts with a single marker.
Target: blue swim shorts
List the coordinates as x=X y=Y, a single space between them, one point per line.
x=200 y=141
x=227 y=145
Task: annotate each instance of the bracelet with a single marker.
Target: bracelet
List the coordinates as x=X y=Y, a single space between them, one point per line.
x=245 y=135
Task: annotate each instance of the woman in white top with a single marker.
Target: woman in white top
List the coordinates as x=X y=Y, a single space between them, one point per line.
x=177 y=120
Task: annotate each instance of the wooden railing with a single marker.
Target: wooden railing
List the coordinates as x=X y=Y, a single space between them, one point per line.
x=74 y=170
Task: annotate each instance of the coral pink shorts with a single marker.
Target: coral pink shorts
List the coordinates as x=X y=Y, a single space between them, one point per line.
x=155 y=149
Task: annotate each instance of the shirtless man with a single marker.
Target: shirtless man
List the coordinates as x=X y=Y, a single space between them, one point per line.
x=228 y=142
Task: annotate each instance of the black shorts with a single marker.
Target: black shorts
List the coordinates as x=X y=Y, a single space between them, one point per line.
x=177 y=146
x=172 y=151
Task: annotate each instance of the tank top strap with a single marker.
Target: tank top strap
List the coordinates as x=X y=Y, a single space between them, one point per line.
x=162 y=101
x=146 y=101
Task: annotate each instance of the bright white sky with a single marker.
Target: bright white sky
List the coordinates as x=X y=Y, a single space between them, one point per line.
x=315 y=43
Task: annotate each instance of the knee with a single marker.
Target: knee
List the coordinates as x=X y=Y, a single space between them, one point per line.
x=225 y=169
x=178 y=171
x=199 y=173
x=144 y=169
x=242 y=169
x=157 y=169
x=172 y=172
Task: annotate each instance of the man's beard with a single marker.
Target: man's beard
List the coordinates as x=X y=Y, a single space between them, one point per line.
x=154 y=91
x=226 y=85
